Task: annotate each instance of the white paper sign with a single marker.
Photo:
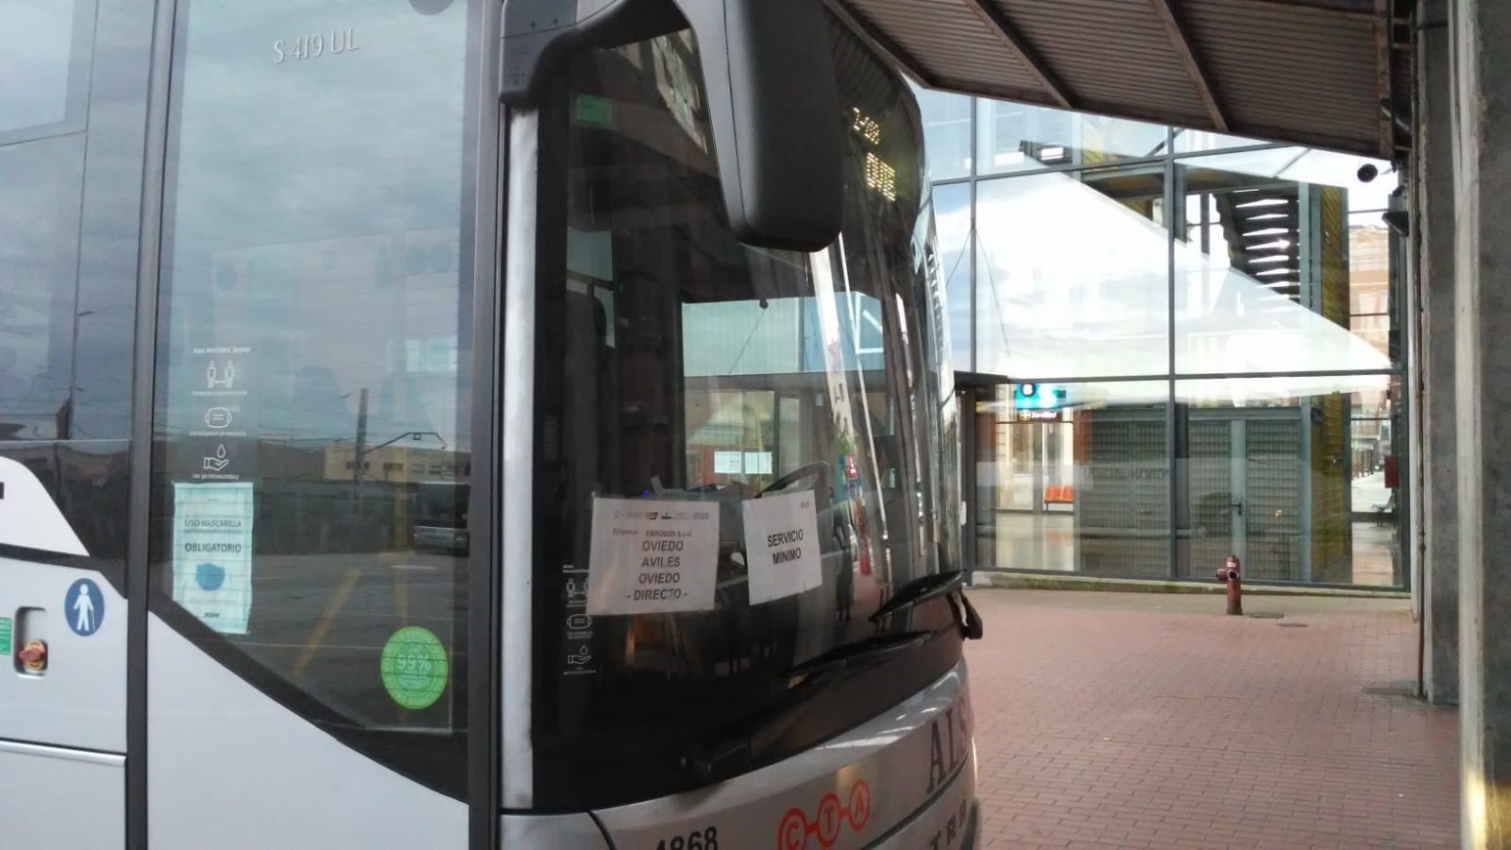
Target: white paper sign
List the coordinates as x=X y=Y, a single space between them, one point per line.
x=758 y=463
x=782 y=545
x=212 y=553
x=728 y=463
x=652 y=557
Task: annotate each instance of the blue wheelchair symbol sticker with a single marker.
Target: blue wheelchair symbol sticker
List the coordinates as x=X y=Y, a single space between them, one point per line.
x=84 y=607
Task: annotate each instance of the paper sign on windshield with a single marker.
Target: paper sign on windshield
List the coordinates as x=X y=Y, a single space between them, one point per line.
x=212 y=553
x=782 y=545
x=652 y=557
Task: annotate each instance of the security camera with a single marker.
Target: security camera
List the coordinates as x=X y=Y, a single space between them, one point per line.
x=1368 y=172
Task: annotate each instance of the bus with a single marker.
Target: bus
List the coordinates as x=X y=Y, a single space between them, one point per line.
x=440 y=521
x=453 y=423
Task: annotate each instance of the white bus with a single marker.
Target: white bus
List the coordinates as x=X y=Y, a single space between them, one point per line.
x=445 y=423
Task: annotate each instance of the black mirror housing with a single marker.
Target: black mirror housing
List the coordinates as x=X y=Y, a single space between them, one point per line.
x=774 y=106
x=773 y=102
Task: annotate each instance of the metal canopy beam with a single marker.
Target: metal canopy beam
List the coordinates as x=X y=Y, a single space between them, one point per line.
x=998 y=24
x=1182 y=42
x=1363 y=8
x=1382 y=28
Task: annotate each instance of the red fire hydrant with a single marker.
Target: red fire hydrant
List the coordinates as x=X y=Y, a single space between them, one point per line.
x=1229 y=574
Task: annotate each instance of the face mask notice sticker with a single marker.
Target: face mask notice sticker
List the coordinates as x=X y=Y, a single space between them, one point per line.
x=781 y=540
x=652 y=557
x=414 y=667
x=212 y=553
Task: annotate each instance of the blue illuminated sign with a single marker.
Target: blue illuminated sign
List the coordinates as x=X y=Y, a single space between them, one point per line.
x=1039 y=396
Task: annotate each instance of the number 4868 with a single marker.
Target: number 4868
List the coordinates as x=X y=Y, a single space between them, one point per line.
x=708 y=839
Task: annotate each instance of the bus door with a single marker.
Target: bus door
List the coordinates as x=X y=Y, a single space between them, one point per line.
x=70 y=188
x=62 y=659
x=310 y=561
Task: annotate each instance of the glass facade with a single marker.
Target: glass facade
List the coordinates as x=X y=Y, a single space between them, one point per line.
x=1179 y=345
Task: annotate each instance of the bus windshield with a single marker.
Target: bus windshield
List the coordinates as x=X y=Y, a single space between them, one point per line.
x=741 y=453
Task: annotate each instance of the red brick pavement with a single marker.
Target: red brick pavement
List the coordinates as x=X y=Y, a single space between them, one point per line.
x=1152 y=721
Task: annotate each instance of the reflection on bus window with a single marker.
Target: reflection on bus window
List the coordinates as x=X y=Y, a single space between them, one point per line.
x=314 y=450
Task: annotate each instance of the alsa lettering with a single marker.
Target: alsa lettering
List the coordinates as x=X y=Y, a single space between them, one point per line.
x=949 y=746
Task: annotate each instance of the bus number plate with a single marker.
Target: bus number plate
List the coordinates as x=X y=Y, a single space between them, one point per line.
x=707 y=839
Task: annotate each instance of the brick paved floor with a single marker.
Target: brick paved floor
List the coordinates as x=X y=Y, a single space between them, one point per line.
x=1151 y=721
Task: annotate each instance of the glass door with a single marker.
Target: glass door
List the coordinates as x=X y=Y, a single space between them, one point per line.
x=312 y=461
x=1245 y=493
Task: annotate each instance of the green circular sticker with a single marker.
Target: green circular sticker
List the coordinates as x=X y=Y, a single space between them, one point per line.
x=414 y=667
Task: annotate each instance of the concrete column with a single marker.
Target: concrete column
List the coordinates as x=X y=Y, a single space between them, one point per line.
x=1481 y=50
x=1434 y=407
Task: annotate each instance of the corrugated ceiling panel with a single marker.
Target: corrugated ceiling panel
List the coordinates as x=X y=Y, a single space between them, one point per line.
x=948 y=40
x=1278 y=66
x=1302 y=71
x=1108 y=51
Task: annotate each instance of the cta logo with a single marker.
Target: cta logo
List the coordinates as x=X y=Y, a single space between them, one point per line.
x=828 y=820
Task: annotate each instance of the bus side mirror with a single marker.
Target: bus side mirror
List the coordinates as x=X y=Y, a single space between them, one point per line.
x=768 y=70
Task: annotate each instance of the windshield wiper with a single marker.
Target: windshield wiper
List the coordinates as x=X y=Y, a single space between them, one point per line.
x=861 y=653
x=920 y=590
x=971 y=627
x=947 y=584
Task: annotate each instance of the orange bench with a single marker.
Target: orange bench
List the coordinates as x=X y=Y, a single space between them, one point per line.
x=1059 y=494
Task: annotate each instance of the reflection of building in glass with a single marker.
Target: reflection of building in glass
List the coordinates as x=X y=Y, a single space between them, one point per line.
x=1178 y=344
x=757 y=369
x=399 y=464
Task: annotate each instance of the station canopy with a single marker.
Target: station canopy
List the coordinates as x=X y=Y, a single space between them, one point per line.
x=1322 y=73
